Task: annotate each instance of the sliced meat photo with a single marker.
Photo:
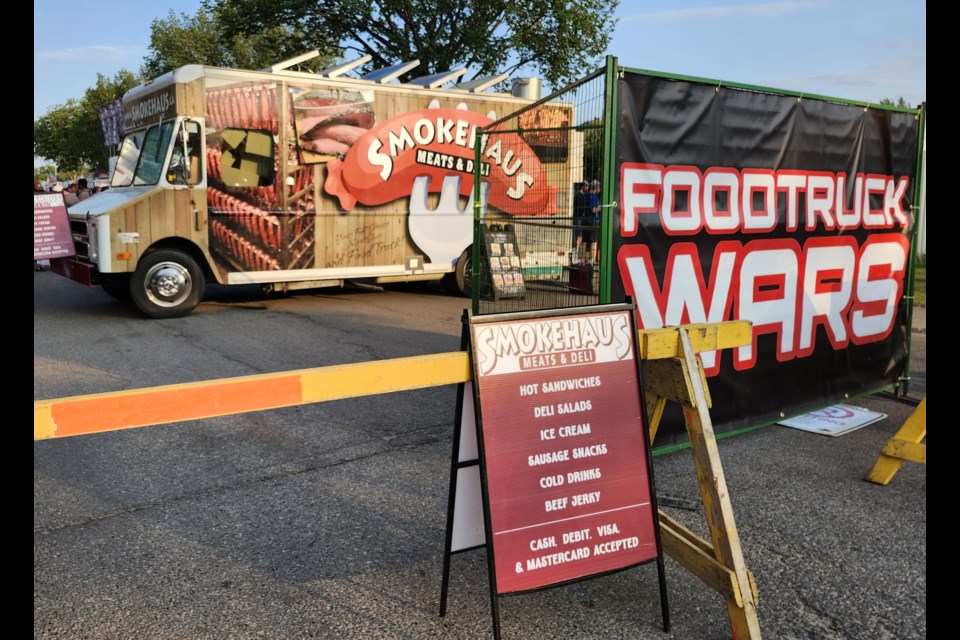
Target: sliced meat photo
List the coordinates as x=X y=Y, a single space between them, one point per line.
x=329 y=121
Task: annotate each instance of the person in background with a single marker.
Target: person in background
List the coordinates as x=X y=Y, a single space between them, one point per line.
x=37 y=187
x=581 y=213
x=593 y=219
x=70 y=196
x=83 y=191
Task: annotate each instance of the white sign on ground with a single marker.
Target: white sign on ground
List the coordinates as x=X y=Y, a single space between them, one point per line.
x=834 y=421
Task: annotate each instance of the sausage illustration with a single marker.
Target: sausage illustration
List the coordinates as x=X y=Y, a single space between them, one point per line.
x=383 y=164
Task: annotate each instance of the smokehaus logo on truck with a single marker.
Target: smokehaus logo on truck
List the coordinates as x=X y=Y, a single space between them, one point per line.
x=154 y=107
x=439 y=142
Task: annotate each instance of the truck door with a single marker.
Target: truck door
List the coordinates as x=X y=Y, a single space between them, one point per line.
x=185 y=166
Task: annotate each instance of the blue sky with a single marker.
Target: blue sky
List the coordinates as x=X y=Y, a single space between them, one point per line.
x=853 y=49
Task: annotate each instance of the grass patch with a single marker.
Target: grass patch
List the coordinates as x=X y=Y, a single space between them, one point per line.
x=920 y=282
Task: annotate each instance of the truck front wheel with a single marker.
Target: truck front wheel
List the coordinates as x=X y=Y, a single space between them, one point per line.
x=168 y=283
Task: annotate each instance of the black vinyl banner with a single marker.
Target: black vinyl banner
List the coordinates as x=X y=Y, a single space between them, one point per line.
x=792 y=213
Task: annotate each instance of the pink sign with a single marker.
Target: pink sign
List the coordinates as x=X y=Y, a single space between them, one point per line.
x=51 y=228
x=564 y=448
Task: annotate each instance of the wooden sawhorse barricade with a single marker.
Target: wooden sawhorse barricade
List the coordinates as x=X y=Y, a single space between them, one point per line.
x=673 y=372
x=906 y=444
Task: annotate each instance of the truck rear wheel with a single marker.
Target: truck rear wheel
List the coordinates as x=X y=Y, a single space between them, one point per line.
x=168 y=283
x=460 y=281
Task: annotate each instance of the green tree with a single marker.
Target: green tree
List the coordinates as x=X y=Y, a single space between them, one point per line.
x=554 y=38
x=41 y=173
x=179 y=40
x=592 y=148
x=899 y=103
x=51 y=135
x=70 y=135
x=557 y=39
x=176 y=41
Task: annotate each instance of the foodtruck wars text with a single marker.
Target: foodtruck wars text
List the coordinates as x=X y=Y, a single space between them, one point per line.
x=830 y=282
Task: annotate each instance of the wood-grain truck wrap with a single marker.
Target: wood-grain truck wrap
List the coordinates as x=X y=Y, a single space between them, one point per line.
x=292 y=180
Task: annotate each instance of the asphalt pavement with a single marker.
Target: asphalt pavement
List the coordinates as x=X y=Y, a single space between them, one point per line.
x=920 y=319
x=346 y=540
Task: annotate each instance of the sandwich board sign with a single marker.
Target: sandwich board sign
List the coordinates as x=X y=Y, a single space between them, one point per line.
x=561 y=477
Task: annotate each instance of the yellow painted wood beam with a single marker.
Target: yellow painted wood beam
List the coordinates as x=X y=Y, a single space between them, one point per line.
x=906 y=450
x=665 y=342
x=904 y=445
x=685 y=547
x=655 y=406
x=670 y=379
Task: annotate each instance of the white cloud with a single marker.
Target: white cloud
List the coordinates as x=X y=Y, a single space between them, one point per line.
x=97 y=52
x=718 y=11
x=890 y=79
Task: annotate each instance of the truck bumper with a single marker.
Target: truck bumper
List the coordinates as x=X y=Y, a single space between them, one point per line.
x=75 y=270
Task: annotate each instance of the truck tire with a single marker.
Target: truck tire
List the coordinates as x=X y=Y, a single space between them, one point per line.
x=460 y=281
x=168 y=283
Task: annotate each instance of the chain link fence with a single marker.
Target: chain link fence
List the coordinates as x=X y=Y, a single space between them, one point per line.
x=546 y=255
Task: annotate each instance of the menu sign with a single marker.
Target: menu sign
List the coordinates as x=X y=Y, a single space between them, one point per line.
x=499 y=252
x=564 y=447
x=51 y=228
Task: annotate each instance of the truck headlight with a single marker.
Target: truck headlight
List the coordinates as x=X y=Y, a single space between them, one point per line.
x=93 y=245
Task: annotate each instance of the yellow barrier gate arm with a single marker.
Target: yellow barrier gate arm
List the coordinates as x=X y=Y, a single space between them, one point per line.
x=111 y=411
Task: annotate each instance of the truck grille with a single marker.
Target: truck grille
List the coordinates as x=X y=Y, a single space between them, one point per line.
x=81 y=239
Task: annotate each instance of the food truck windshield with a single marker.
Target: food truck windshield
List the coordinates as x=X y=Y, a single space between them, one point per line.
x=142 y=154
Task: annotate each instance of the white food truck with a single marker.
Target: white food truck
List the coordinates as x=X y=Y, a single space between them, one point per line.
x=295 y=180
